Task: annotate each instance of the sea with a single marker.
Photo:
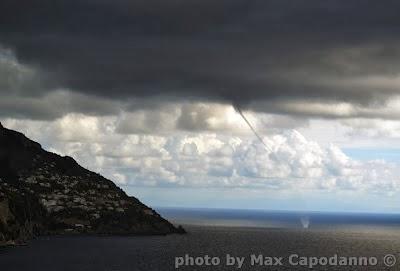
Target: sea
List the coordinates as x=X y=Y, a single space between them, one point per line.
x=220 y=239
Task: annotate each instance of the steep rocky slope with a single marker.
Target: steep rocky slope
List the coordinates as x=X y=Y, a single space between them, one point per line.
x=44 y=193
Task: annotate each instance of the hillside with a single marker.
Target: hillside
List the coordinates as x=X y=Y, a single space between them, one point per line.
x=44 y=193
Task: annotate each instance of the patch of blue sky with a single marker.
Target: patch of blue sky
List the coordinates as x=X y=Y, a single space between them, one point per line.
x=364 y=154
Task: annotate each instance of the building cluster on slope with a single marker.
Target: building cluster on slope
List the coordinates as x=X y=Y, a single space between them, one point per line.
x=60 y=194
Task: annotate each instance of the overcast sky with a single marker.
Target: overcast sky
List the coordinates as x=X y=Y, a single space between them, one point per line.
x=145 y=92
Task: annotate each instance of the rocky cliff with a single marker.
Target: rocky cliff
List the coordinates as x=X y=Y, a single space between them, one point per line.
x=44 y=193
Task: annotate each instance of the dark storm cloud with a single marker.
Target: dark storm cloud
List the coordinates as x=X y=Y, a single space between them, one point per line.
x=236 y=51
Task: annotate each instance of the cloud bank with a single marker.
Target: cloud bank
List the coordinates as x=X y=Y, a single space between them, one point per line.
x=212 y=160
x=269 y=56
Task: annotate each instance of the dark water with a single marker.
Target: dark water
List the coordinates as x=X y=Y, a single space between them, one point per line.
x=363 y=236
